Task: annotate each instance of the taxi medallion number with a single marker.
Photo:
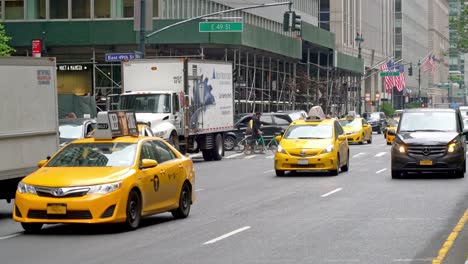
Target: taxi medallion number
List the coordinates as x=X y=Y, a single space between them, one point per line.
x=302 y=162
x=425 y=162
x=56 y=209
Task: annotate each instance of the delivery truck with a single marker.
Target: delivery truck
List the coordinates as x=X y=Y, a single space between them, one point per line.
x=187 y=102
x=29 y=118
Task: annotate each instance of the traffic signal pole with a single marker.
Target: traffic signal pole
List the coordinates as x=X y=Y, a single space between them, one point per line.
x=419 y=83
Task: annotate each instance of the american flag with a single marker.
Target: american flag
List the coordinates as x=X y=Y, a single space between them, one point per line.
x=429 y=63
x=394 y=81
x=399 y=80
x=386 y=67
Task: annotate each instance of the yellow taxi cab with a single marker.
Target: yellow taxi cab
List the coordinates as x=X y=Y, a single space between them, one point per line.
x=357 y=130
x=391 y=126
x=114 y=177
x=312 y=144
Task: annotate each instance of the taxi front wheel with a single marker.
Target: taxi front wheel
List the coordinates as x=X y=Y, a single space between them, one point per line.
x=31 y=228
x=185 y=201
x=133 y=210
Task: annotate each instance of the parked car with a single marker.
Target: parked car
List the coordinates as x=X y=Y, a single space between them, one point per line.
x=377 y=120
x=71 y=129
x=271 y=123
x=295 y=114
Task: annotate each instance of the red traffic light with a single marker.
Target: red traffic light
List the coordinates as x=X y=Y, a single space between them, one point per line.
x=371 y=103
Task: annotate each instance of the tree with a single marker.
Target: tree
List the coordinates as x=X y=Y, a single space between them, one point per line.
x=388 y=109
x=459 y=24
x=5 y=49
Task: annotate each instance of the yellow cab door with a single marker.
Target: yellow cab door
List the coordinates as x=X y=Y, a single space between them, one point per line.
x=174 y=173
x=153 y=179
x=367 y=130
x=341 y=145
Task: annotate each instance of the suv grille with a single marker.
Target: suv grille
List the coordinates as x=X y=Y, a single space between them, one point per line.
x=433 y=151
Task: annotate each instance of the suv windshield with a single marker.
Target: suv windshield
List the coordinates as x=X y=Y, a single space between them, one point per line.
x=309 y=131
x=428 y=121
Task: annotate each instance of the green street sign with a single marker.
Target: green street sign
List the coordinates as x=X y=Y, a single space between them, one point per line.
x=220 y=27
x=384 y=74
x=443 y=85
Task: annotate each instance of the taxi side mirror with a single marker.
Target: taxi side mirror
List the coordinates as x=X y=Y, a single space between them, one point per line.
x=278 y=138
x=41 y=163
x=148 y=163
x=391 y=132
x=341 y=137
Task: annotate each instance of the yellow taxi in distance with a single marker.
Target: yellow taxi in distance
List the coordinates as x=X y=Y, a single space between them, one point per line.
x=115 y=176
x=313 y=144
x=392 y=125
x=357 y=130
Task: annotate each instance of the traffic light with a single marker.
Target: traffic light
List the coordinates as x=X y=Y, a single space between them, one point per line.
x=286 y=21
x=410 y=70
x=296 y=22
x=371 y=103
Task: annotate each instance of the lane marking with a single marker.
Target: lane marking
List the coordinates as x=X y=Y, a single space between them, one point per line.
x=379 y=171
x=359 y=154
x=412 y=260
x=332 y=192
x=234 y=155
x=227 y=235
x=199 y=190
x=251 y=156
x=195 y=155
x=380 y=154
x=269 y=171
x=10 y=236
x=270 y=157
x=451 y=239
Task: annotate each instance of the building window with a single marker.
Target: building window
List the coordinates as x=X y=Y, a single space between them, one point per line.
x=58 y=9
x=14 y=9
x=36 y=9
x=125 y=8
x=81 y=9
x=156 y=8
x=102 y=8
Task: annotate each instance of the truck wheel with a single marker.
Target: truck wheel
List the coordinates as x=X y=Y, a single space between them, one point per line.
x=31 y=228
x=175 y=140
x=207 y=154
x=218 y=147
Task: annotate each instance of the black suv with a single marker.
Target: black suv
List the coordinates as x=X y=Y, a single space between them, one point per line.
x=377 y=120
x=271 y=123
x=429 y=140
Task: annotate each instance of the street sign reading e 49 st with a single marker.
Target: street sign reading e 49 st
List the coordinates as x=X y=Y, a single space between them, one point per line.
x=220 y=27
x=384 y=74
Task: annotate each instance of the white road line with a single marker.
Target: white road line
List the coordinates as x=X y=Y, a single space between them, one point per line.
x=269 y=171
x=195 y=155
x=359 y=154
x=412 y=260
x=226 y=235
x=234 y=155
x=199 y=190
x=251 y=156
x=379 y=171
x=270 y=157
x=10 y=236
x=332 y=192
x=380 y=154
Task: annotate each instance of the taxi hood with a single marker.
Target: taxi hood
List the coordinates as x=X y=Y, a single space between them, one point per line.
x=305 y=143
x=76 y=176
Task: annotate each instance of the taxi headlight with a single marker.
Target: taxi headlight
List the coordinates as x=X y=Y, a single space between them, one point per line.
x=328 y=149
x=281 y=149
x=104 y=188
x=26 y=188
x=451 y=147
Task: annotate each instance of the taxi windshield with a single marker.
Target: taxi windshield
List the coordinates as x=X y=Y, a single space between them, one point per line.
x=354 y=123
x=95 y=155
x=71 y=131
x=309 y=132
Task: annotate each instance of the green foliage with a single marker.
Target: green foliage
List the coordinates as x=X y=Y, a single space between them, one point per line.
x=455 y=78
x=414 y=104
x=5 y=49
x=458 y=24
x=388 y=109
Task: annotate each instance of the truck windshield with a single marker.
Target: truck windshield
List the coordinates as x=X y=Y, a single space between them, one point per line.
x=146 y=103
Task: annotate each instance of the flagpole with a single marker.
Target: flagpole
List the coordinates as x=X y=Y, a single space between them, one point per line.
x=419 y=83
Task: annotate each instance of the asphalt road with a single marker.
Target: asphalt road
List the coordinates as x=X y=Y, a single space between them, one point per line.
x=245 y=214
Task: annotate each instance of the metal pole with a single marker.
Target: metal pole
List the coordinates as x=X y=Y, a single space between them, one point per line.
x=142 y=28
x=419 y=83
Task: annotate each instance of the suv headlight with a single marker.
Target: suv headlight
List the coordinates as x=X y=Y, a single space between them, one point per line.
x=104 y=188
x=451 y=147
x=26 y=188
x=328 y=149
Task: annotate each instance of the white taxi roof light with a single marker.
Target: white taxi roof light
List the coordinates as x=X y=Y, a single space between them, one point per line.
x=316 y=113
x=113 y=124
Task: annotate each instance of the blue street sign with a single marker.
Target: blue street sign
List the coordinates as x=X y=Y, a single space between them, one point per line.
x=122 y=56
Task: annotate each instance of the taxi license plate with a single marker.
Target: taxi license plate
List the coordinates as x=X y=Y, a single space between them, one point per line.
x=302 y=162
x=56 y=209
x=425 y=162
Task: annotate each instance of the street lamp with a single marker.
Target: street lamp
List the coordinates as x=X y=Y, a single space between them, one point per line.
x=377 y=99
x=359 y=39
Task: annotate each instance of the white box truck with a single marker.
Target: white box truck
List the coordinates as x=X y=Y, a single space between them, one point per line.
x=29 y=118
x=187 y=102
